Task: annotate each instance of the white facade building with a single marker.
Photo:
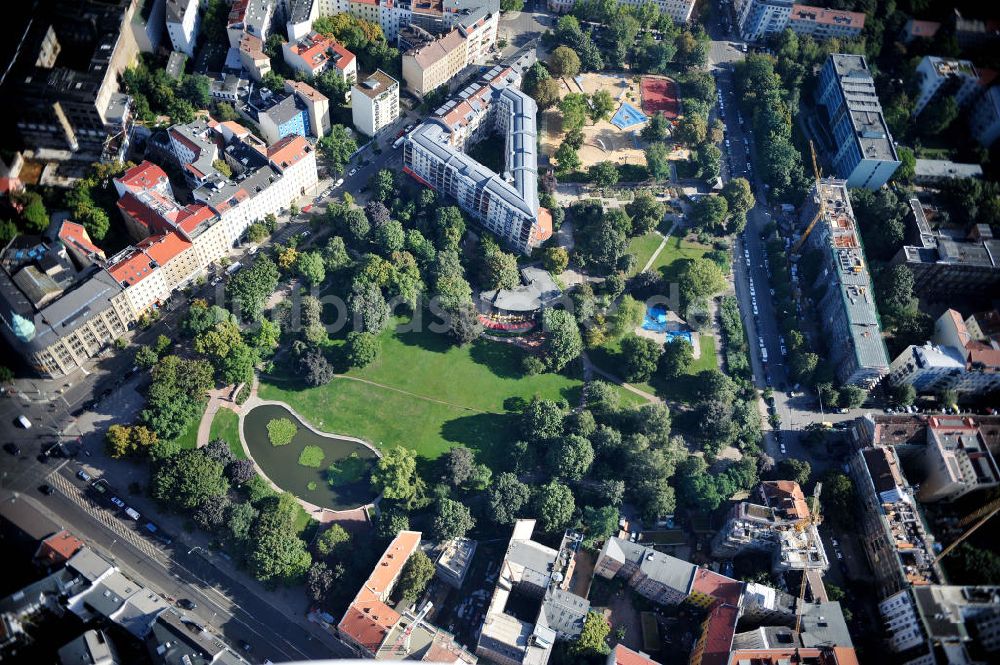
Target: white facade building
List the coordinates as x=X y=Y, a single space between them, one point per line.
x=678 y=10
x=183 y=22
x=375 y=103
x=984 y=117
x=953 y=77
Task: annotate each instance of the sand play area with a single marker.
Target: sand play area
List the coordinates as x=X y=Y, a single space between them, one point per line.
x=602 y=141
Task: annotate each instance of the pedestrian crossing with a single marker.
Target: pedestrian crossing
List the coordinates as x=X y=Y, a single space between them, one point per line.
x=122 y=530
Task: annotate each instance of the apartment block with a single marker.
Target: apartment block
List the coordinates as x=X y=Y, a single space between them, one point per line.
x=62 y=89
x=864 y=153
x=435 y=62
x=777 y=524
x=953 y=360
x=505 y=204
x=373 y=629
x=984 y=117
x=532 y=575
x=253 y=17
x=943 y=624
x=939 y=171
x=956 y=460
x=678 y=10
x=755 y=19
x=951 y=77
x=183 y=23
x=375 y=103
x=252 y=57
x=277 y=115
x=822 y=23
x=917 y=29
x=58 y=305
x=316 y=104
x=847 y=307
x=949 y=261
x=897 y=543
x=315 y=53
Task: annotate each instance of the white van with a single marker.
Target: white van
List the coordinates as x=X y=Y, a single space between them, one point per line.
x=131 y=512
x=25 y=423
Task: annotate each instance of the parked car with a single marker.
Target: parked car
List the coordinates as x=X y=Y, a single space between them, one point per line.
x=12 y=448
x=352 y=171
x=118 y=502
x=83 y=475
x=187 y=604
x=46 y=490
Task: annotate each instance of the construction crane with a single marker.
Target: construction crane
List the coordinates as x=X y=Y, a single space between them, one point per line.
x=813 y=517
x=983 y=514
x=822 y=206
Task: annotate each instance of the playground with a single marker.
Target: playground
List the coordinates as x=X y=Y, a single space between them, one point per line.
x=616 y=140
x=660 y=95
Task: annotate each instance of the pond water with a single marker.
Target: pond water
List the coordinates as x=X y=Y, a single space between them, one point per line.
x=341 y=480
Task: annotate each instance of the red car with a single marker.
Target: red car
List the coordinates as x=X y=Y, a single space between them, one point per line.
x=307 y=208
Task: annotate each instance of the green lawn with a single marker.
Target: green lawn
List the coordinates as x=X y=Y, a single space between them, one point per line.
x=226 y=425
x=643 y=248
x=681 y=389
x=189 y=439
x=481 y=386
x=677 y=249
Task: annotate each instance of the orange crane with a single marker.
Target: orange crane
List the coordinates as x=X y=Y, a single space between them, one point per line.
x=822 y=206
x=812 y=518
x=984 y=514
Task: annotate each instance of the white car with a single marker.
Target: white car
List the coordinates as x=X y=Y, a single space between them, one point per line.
x=118 y=502
x=83 y=475
x=339 y=182
x=352 y=171
x=784 y=451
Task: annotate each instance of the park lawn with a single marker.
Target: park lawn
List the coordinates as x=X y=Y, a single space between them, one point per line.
x=643 y=248
x=226 y=426
x=481 y=387
x=677 y=249
x=189 y=439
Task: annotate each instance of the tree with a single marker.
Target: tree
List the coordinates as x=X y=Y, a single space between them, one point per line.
x=938 y=116
x=554 y=505
x=678 y=355
x=394 y=475
x=336 y=148
x=903 y=394
x=738 y=195
x=570 y=457
x=709 y=161
x=33 y=211
x=189 y=479
x=362 y=348
x=656 y=129
x=507 y=497
x=593 y=640
x=555 y=260
x=175 y=396
x=566 y=158
x=219 y=450
x=604 y=174
x=838 y=497
x=224 y=112
x=692 y=129
x=335 y=254
x=701 y=278
x=460 y=463
x=211 y=514
x=451 y=520
x=241 y=471
x=599 y=523
x=465 y=325
x=415 y=576
x=640 y=356
x=794 y=469
x=118 y=440
x=499 y=268
x=331 y=540
x=626 y=317
x=562 y=343
x=852 y=397
x=542 y=419
x=382 y=185
x=908 y=165
x=390 y=523
x=646 y=212
x=389 y=237
x=601 y=105
x=895 y=290
x=658 y=162
x=250 y=288
x=369 y=309
x=319 y=581
x=709 y=214
x=564 y=62
x=312 y=267
x=277 y=553
x=546 y=94
x=574 y=108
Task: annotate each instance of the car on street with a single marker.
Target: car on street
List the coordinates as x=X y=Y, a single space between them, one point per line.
x=118 y=502
x=352 y=171
x=12 y=448
x=46 y=490
x=340 y=181
x=246 y=646
x=187 y=604
x=781 y=446
x=83 y=475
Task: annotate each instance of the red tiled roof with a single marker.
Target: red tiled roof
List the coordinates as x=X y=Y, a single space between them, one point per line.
x=544 y=229
x=625 y=656
x=192 y=216
x=144 y=215
x=828 y=16
x=143 y=176
x=162 y=248
x=367 y=627
x=132 y=269
x=288 y=150
x=313 y=49
x=58 y=548
x=786 y=495
x=725 y=589
x=720 y=627
x=982 y=354
x=75 y=234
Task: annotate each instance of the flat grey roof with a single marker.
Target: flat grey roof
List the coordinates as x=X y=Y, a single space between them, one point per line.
x=943 y=168
x=858 y=90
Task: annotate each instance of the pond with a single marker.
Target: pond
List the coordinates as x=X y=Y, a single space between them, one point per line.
x=337 y=477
